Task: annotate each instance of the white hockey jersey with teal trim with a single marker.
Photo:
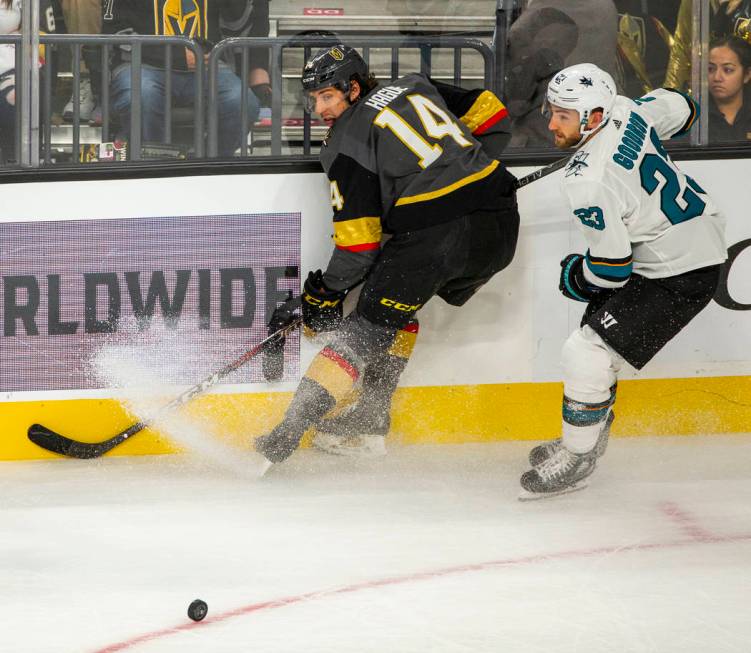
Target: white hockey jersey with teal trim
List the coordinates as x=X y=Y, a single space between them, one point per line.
x=637 y=210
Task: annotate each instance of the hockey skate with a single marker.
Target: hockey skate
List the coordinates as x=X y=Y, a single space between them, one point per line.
x=258 y=464
x=542 y=452
x=279 y=444
x=357 y=432
x=562 y=472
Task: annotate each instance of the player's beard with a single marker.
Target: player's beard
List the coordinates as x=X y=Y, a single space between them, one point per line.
x=564 y=142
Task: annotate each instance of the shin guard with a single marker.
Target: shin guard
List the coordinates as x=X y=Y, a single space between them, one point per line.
x=366 y=412
x=330 y=377
x=590 y=374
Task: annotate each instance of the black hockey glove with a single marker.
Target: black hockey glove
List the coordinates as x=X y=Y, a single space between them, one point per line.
x=273 y=351
x=573 y=284
x=322 y=309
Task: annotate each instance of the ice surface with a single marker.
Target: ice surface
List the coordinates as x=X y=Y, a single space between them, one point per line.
x=425 y=550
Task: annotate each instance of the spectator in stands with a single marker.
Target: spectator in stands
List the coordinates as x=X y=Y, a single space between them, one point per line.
x=550 y=35
x=730 y=105
x=10 y=23
x=85 y=17
x=254 y=21
x=201 y=24
x=727 y=18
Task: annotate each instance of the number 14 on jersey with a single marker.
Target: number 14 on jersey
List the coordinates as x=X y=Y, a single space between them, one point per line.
x=436 y=123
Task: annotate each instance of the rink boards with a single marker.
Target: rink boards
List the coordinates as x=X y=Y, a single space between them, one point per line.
x=205 y=257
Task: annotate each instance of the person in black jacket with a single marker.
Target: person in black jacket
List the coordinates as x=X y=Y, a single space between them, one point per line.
x=730 y=105
x=415 y=159
x=549 y=35
x=200 y=22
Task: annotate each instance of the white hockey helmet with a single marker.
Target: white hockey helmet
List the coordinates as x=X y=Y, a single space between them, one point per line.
x=583 y=87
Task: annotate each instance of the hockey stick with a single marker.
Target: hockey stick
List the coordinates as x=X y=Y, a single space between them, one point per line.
x=542 y=172
x=60 y=444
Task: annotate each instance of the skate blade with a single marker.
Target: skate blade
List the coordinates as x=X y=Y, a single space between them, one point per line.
x=351 y=452
x=257 y=465
x=526 y=495
x=337 y=449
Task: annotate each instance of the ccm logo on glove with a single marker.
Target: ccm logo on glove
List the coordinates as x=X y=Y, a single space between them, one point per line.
x=322 y=308
x=320 y=303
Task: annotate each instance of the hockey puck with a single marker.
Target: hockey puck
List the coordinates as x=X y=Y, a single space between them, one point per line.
x=197 y=610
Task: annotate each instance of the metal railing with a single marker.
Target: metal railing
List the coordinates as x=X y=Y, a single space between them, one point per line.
x=15 y=40
x=133 y=54
x=35 y=134
x=205 y=135
x=277 y=47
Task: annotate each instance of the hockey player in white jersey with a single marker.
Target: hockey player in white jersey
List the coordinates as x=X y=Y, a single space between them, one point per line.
x=655 y=247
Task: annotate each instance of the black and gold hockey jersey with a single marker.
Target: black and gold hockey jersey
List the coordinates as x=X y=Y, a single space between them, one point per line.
x=405 y=157
x=194 y=19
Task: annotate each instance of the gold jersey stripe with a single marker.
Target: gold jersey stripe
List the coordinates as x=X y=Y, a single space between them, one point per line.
x=403 y=344
x=484 y=107
x=357 y=231
x=422 y=197
x=330 y=375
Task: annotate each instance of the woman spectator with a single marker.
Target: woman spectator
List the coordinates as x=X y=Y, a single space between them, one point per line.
x=726 y=18
x=10 y=23
x=729 y=74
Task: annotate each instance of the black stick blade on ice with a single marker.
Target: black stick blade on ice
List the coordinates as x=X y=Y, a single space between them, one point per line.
x=59 y=444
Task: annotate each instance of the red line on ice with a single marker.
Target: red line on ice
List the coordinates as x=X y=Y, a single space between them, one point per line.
x=698 y=536
x=687 y=522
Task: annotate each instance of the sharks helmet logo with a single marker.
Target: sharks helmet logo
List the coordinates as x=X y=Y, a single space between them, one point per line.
x=586 y=81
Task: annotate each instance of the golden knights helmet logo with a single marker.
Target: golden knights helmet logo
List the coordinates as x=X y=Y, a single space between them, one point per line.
x=337 y=54
x=181 y=18
x=742 y=28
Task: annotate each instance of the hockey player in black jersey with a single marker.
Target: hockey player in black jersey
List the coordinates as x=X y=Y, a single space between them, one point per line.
x=414 y=159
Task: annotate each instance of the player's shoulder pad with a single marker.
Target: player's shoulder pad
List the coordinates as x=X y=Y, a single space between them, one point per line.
x=478 y=109
x=693 y=107
x=350 y=138
x=664 y=105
